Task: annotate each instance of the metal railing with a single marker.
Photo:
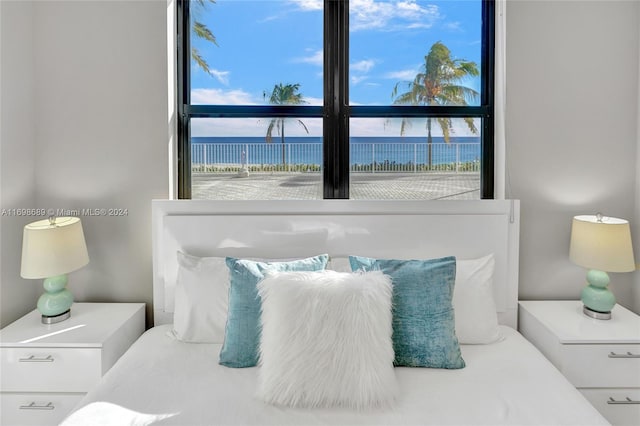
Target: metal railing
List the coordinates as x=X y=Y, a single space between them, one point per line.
x=365 y=157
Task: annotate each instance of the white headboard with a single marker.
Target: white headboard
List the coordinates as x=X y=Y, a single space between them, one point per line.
x=290 y=229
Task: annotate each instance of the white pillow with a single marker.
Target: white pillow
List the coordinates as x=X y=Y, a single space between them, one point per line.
x=339 y=264
x=201 y=299
x=475 y=310
x=326 y=340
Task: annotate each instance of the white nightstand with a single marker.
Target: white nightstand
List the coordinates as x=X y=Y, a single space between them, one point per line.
x=46 y=369
x=599 y=357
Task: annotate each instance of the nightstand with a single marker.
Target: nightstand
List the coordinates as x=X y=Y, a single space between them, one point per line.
x=599 y=357
x=46 y=369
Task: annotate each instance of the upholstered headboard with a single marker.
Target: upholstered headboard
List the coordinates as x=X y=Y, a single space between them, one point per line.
x=290 y=229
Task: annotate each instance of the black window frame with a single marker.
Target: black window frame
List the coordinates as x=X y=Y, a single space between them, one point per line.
x=336 y=111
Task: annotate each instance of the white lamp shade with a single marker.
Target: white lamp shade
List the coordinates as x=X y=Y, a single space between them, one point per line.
x=602 y=243
x=53 y=249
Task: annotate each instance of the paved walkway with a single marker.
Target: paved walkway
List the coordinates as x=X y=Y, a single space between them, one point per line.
x=308 y=186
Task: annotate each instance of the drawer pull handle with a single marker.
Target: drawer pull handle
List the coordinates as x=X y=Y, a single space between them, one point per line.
x=34 y=406
x=627 y=355
x=622 y=402
x=33 y=358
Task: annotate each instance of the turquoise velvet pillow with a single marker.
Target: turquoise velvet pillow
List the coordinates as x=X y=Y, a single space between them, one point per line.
x=242 y=331
x=423 y=321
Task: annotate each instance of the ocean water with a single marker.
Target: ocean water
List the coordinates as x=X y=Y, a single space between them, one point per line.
x=308 y=150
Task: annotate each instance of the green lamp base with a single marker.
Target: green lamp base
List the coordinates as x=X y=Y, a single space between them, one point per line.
x=55 y=303
x=596 y=296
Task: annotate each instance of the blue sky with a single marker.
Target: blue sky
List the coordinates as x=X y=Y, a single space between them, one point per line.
x=265 y=42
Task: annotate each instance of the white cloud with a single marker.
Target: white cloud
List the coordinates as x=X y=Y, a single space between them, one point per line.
x=382 y=15
x=360 y=69
x=414 y=127
x=363 y=66
x=392 y=15
x=235 y=97
x=221 y=76
x=358 y=79
x=316 y=58
x=358 y=127
x=455 y=26
x=227 y=127
x=412 y=11
x=404 y=75
x=309 y=4
x=251 y=127
x=313 y=101
x=221 y=97
x=269 y=18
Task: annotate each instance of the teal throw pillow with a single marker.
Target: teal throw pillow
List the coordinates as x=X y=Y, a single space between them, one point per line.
x=423 y=321
x=242 y=331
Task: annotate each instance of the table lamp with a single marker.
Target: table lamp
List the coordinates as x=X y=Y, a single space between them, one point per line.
x=51 y=248
x=601 y=244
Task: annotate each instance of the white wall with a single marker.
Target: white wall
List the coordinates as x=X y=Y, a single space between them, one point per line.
x=17 y=154
x=635 y=225
x=572 y=123
x=92 y=135
x=101 y=85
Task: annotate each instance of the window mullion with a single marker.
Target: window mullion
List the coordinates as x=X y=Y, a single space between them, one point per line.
x=487 y=99
x=184 y=99
x=418 y=111
x=336 y=99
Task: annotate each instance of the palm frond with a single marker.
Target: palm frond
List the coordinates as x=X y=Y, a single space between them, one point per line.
x=459 y=95
x=456 y=95
x=471 y=125
x=439 y=83
x=195 y=55
x=447 y=126
x=199 y=6
x=466 y=68
x=300 y=122
x=202 y=31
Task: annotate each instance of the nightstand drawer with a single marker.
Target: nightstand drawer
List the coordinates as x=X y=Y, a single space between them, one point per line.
x=591 y=366
x=36 y=408
x=614 y=405
x=49 y=369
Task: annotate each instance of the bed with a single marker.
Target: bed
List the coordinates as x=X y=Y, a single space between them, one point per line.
x=163 y=379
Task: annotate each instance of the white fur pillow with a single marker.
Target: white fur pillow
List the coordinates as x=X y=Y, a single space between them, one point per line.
x=326 y=340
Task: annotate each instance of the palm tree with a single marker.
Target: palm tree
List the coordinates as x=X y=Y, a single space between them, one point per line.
x=283 y=94
x=438 y=84
x=200 y=30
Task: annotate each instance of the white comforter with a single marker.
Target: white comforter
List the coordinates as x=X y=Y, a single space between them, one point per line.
x=161 y=380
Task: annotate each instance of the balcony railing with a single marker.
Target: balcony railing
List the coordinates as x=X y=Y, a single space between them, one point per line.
x=307 y=157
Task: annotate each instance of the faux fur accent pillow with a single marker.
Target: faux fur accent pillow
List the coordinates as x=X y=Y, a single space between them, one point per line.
x=326 y=339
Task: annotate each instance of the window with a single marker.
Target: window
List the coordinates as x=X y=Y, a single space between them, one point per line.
x=366 y=99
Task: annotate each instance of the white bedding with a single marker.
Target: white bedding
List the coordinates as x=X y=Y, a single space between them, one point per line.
x=508 y=382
